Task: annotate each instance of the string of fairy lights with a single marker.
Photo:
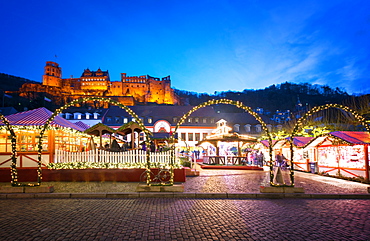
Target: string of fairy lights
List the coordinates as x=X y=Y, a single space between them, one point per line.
x=47 y=126
x=13 y=166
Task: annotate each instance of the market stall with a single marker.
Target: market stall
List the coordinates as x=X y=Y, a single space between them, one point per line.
x=62 y=135
x=342 y=152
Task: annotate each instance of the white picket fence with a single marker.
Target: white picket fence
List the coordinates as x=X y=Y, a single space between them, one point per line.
x=132 y=156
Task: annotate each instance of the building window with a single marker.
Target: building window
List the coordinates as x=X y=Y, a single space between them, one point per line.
x=183 y=136
x=269 y=127
x=247 y=128
x=125 y=120
x=204 y=135
x=77 y=116
x=141 y=136
x=117 y=119
x=212 y=120
x=258 y=128
x=150 y=120
x=196 y=120
x=204 y=120
x=190 y=120
x=109 y=119
x=190 y=136
x=236 y=127
x=174 y=119
x=197 y=136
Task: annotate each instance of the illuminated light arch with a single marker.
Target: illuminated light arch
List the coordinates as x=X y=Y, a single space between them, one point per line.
x=87 y=99
x=241 y=106
x=316 y=109
x=13 y=167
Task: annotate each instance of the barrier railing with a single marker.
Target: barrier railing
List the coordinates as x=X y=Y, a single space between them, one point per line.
x=131 y=156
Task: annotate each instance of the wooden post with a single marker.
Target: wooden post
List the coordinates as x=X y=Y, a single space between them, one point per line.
x=51 y=145
x=366 y=155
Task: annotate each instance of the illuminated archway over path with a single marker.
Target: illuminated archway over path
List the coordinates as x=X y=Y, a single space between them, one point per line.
x=83 y=100
x=241 y=106
x=299 y=124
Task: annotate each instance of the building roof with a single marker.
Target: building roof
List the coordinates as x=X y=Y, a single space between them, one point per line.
x=99 y=73
x=38 y=117
x=168 y=113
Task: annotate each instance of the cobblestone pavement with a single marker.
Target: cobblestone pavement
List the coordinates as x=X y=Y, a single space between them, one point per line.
x=241 y=181
x=184 y=219
x=223 y=181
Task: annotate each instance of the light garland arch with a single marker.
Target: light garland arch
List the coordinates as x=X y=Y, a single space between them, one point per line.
x=83 y=100
x=241 y=106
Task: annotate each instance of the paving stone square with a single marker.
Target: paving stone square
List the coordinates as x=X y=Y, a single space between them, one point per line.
x=184 y=219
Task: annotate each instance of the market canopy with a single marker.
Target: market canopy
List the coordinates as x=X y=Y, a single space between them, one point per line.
x=230 y=137
x=347 y=137
x=38 y=117
x=82 y=125
x=353 y=137
x=99 y=130
x=298 y=141
x=129 y=128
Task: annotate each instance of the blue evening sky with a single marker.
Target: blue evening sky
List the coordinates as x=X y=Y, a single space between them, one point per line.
x=205 y=45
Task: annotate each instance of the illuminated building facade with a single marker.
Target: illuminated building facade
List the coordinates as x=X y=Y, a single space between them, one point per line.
x=129 y=90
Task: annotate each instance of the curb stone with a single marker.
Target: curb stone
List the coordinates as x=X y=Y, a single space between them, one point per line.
x=185 y=195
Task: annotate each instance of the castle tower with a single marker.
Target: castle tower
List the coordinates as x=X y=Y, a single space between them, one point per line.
x=52 y=74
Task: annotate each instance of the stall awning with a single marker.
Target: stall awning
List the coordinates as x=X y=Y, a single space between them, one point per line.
x=266 y=142
x=129 y=128
x=38 y=117
x=348 y=137
x=298 y=141
x=82 y=125
x=353 y=137
x=99 y=129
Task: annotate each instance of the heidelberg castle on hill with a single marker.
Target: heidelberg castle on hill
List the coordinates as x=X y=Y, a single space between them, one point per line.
x=129 y=91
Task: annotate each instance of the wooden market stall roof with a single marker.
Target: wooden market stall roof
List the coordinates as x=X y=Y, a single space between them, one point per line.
x=38 y=117
x=298 y=141
x=82 y=125
x=230 y=137
x=129 y=128
x=99 y=129
x=348 y=137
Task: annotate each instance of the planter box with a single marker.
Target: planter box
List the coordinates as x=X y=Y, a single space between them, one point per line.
x=84 y=175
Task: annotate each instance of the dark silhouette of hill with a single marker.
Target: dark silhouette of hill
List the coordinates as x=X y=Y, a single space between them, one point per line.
x=13 y=83
x=285 y=96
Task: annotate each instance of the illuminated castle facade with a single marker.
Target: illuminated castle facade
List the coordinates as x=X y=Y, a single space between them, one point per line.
x=129 y=90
